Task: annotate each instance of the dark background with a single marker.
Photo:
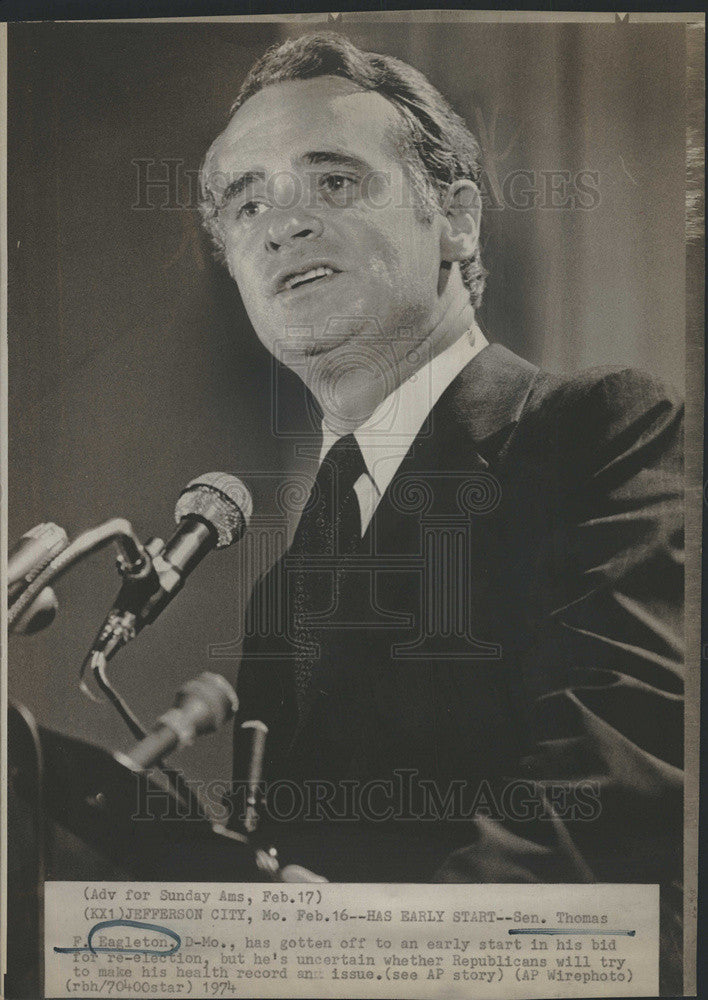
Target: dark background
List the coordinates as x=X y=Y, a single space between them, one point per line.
x=132 y=364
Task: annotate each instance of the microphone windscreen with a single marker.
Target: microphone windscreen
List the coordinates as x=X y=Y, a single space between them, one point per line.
x=220 y=499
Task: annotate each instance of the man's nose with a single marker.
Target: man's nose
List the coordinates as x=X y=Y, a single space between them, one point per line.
x=287 y=227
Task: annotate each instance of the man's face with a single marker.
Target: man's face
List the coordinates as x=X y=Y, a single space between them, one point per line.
x=321 y=227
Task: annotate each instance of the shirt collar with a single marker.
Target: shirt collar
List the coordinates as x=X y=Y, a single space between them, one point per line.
x=387 y=435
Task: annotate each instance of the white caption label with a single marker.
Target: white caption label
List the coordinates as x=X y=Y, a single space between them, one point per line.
x=130 y=939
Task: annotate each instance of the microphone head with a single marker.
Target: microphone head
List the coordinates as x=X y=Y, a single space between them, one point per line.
x=207 y=701
x=222 y=500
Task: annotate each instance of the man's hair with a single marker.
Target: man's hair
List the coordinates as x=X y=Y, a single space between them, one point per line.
x=435 y=144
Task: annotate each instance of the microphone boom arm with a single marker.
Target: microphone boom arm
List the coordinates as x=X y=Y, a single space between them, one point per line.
x=132 y=558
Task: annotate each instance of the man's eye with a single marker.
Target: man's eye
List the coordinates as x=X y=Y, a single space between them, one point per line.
x=250 y=209
x=338 y=185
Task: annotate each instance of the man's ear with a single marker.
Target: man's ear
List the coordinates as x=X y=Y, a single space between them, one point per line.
x=462 y=209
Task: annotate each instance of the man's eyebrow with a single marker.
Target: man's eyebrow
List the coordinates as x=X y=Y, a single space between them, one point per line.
x=240 y=183
x=336 y=158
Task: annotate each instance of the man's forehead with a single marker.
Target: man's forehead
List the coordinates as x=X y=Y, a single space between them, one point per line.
x=291 y=117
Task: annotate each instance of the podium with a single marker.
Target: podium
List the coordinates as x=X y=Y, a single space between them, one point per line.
x=75 y=813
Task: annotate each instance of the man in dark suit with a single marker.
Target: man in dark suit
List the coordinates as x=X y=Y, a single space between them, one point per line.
x=477 y=625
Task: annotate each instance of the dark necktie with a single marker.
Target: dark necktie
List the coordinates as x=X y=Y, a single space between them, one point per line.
x=331 y=521
x=330 y=526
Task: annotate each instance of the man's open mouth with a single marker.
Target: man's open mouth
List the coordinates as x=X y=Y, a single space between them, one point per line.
x=297 y=279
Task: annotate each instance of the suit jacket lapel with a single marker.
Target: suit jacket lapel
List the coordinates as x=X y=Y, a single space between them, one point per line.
x=467 y=431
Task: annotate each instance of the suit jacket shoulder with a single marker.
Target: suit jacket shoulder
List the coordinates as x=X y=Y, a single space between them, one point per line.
x=569 y=427
x=599 y=410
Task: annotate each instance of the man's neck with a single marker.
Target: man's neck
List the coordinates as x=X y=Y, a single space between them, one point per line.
x=361 y=389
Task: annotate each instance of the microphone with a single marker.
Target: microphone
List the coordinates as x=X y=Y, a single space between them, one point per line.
x=39 y=615
x=33 y=552
x=202 y=706
x=212 y=512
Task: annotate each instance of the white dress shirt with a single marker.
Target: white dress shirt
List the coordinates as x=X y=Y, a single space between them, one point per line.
x=389 y=432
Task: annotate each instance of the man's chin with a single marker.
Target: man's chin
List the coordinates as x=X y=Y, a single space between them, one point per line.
x=298 y=346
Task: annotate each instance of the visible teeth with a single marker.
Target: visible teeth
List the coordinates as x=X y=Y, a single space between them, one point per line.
x=315 y=272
